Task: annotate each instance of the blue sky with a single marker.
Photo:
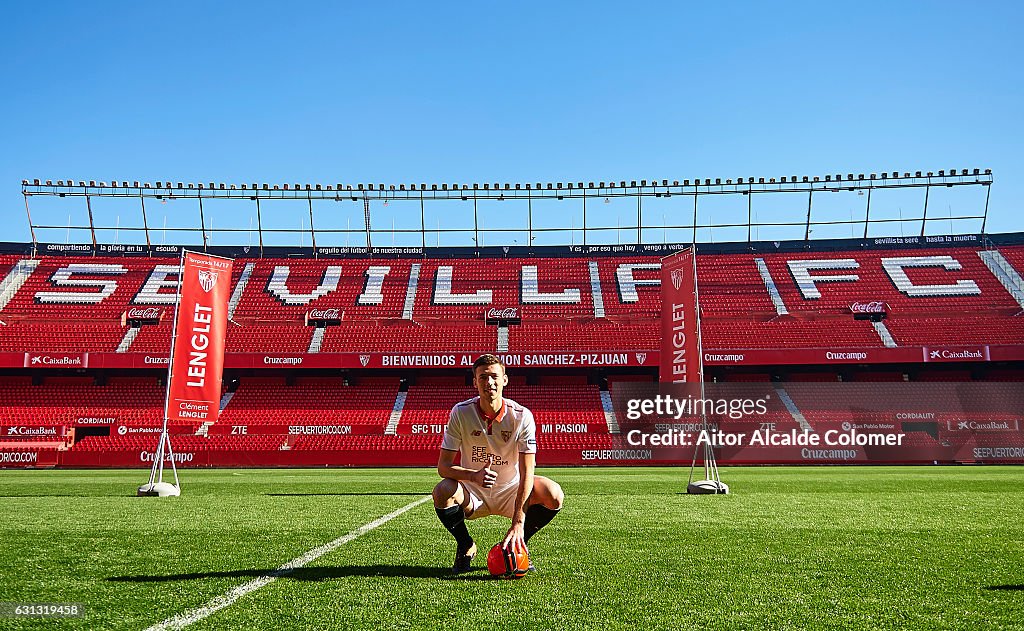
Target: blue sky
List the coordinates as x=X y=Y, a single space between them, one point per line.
x=530 y=92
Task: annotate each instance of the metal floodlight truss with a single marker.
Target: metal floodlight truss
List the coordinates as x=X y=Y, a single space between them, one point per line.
x=422 y=195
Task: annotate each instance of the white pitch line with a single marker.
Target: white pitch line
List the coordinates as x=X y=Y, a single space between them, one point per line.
x=182 y=620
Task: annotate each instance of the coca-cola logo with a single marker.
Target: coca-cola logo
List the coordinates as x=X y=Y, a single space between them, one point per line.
x=508 y=313
x=149 y=313
x=875 y=306
x=325 y=314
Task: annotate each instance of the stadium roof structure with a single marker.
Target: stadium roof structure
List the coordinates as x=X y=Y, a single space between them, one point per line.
x=534 y=199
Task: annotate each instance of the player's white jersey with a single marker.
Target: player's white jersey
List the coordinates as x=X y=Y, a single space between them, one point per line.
x=511 y=434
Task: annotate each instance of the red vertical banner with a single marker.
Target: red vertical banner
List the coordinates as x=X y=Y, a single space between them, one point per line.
x=680 y=327
x=201 y=328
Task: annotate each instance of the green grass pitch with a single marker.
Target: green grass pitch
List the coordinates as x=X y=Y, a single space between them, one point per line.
x=791 y=548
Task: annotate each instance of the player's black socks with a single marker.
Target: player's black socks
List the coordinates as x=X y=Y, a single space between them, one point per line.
x=455 y=521
x=537 y=516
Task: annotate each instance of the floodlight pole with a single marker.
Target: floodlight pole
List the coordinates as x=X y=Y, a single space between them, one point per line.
x=750 y=210
x=31 y=226
x=693 y=240
x=639 y=218
x=145 y=224
x=423 y=223
x=584 y=221
x=529 y=218
x=807 y=233
x=867 y=214
x=476 y=227
x=924 y=217
x=202 y=220
x=312 y=232
x=984 y=219
x=92 y=225
x=259 y=225
x=366 y=220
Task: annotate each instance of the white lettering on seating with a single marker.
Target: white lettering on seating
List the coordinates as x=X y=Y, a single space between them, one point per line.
x=62 y=278
x=443 y=294
x=278 y=287
x=628 y=284
x=532 y=294
x=150 y=293
x=894 y=267
x=374 y=282
x=801 y=272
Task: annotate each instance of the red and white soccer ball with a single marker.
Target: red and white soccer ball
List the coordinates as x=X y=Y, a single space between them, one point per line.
x=507 y=563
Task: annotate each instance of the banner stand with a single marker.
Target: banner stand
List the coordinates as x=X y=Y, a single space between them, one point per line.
x=712 y=483
x=682 y=351
x=195 y=370
x=156 y=486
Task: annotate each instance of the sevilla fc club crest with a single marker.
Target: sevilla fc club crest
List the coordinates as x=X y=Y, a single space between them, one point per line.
x=640 y=357
x=364 y=360
x=505 y=435
x=207 y=279
x=677 y=278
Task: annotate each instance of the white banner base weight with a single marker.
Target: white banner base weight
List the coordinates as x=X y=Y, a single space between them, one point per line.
x=159 y=489
x=707 y=487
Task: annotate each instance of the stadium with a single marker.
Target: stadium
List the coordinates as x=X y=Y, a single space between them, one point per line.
x=342 y=363
x=352 y=356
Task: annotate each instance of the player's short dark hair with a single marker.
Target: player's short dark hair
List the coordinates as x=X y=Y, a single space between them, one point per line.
x=488 y=360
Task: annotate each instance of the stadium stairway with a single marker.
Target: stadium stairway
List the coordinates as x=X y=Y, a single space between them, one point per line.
x=884 y=334
x=126 y=341
x=792 y=408
x=396 y=411
x=595 y=289
x=317 y=340
x=609 y=412
x=1005 y=273
x=15 y=279
x=773 y=291
x=236 y=295
x=410 y=292
x=502 y=339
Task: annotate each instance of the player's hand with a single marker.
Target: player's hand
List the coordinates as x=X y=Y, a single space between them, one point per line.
x=486 y=477
x=514 y=539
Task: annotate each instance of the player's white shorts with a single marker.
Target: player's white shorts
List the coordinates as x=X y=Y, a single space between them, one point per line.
x=486 y=502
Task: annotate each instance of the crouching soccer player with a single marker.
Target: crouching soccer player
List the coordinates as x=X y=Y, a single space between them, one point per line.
x=497 y=440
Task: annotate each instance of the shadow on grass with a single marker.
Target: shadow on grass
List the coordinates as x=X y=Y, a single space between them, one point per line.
x=316 y=574
x=1006 y=588
x=339 y=494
